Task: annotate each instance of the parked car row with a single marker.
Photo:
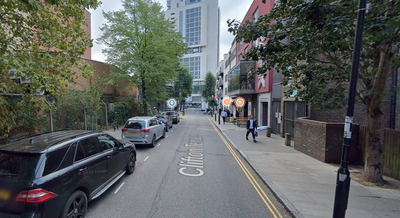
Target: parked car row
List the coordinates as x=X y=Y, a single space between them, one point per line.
x=56 y=174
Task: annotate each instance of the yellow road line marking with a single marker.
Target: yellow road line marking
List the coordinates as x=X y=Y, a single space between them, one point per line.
x=252 y=180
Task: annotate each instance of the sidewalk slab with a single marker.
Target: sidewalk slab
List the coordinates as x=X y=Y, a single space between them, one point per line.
x=306 y=186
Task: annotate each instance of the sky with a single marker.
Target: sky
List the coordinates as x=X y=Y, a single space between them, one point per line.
x=229 y=9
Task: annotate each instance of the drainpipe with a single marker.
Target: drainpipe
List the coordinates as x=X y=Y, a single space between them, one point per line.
x=105 y=105
x=51 y=116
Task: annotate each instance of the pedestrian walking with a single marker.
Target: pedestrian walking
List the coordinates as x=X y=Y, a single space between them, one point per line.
x=228 y=115
x=223 y=115
x=251 y=126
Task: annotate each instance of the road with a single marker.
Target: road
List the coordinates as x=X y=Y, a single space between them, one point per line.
x=193 y=172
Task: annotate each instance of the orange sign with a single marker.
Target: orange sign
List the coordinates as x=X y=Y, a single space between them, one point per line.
x=240 y=102
x=227 y=101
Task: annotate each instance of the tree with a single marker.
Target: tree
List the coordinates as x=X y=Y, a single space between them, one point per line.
x=209 y=88
x=144 y=45
x=311 y=43
x=41 y=43
x=183 y=85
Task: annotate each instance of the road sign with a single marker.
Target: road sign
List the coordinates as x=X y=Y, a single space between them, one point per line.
x=226 y=101
x=171 y=103
x=240 y=102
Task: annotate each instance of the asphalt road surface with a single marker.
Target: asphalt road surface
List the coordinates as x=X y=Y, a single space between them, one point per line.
x=193 y=172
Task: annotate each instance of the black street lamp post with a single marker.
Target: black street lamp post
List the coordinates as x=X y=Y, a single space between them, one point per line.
x=343 y=174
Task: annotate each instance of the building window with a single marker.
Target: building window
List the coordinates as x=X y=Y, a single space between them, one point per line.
x=193 y=64
x=172 y=13
x=255 y=16
x=168 y=4
x=177 y=5
x=188 y=2
x=193 y=23
x=240 y=44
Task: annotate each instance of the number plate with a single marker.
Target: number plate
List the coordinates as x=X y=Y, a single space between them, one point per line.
x=133 y=133
x=4 y=194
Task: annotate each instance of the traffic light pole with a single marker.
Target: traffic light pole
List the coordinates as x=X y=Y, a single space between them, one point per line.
x=343 y=174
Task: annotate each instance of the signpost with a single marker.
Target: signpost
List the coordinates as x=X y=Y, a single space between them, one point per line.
x=171 y=103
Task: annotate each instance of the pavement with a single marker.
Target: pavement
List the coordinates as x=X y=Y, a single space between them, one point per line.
x=306 y=186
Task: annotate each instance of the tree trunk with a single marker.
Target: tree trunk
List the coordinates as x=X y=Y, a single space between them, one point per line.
x=373 y=168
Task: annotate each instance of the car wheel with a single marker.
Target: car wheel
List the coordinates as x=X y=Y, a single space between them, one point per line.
x=130 y=166
x=76 y=205
x=153 y=142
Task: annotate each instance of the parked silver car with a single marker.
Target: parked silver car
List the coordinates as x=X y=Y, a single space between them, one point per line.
x=143 y=130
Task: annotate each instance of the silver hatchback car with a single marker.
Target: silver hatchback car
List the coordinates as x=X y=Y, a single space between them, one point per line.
x=143 y=130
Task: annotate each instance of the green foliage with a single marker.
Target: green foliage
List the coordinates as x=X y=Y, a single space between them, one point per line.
x=209 y=88
x=311 y=43
x=184 y=84
x=41 y=41
x=143 y=45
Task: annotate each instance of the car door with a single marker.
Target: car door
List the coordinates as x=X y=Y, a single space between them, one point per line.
x=118 y=159
x=91 y=163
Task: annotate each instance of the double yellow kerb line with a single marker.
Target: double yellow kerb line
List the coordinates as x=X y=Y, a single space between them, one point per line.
x=252 y=180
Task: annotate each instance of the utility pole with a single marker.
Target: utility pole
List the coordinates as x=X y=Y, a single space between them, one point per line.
x=343 y=174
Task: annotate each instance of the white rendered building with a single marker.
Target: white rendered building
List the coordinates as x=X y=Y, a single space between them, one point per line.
x=198 y=22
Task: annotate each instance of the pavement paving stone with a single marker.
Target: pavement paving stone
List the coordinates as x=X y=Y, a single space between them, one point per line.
x=305 y=185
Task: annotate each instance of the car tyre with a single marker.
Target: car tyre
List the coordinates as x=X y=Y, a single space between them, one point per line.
x=76 y=205
x=153 y=142
x=130 y=166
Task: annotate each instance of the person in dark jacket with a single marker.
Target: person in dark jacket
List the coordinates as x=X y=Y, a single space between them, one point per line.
x=251 y=125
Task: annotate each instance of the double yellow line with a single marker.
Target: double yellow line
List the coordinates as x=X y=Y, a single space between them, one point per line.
x=256 y=186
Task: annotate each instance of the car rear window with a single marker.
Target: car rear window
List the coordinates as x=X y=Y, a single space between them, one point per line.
x=17 y=165
x=135 y=124
x=170 y=113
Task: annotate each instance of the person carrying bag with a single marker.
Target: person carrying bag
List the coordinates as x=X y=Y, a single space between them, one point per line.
x=251 y=126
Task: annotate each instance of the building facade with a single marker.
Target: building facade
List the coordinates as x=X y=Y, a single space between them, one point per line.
x=198 y=22
x=257 y=90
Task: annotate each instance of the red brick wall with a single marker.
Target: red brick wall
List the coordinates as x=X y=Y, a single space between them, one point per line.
x=101 y=69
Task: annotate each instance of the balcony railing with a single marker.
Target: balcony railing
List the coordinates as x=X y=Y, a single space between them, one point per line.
x=239 y=79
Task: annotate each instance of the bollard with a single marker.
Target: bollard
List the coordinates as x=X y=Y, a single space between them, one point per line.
x=215 y=116
x=268 y=131
x=288 y=139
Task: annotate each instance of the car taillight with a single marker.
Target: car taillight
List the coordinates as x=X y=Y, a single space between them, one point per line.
x=174 y=115
x=35 y=196
x=145 y=130
x=124 y=129
x=165 y=120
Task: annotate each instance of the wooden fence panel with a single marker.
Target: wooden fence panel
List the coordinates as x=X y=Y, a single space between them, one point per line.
x=391 y=153
x=391 y=150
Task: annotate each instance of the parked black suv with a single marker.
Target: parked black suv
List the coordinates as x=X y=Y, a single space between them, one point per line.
x=55 y=174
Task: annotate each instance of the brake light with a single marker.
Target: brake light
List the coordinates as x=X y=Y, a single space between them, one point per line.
x=124 y=129
x=165 y=120
x=145 y=130
x=174 y=115
x=35 y=196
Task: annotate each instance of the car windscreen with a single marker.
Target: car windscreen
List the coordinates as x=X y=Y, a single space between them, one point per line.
x=135 y=124
x=21 y=166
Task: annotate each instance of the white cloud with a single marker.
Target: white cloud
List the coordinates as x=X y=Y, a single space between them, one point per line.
x=229 y=9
